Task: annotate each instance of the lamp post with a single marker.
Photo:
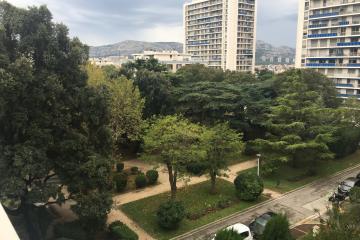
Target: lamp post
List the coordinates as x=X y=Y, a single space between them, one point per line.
x=258 y=164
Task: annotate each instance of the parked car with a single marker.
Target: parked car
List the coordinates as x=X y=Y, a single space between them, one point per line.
x=242 y=229
x=346 y=186
x=257 y=226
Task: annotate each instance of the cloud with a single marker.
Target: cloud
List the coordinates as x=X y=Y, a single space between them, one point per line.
x=98 y=22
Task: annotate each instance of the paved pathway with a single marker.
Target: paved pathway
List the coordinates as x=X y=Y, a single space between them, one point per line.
x=297 y=205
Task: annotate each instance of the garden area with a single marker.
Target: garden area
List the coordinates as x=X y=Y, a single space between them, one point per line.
x=201 y=208
x=288 y=178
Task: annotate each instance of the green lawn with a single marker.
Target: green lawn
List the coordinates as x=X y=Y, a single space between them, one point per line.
x=196 y=199
x=287 y=174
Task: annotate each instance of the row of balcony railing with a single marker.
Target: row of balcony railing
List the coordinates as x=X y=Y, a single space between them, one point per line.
x=332 y=65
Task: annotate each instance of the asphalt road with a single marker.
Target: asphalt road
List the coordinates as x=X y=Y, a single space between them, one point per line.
x=297 y=205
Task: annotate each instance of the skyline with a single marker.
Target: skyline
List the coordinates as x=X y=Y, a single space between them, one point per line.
x=96 y=23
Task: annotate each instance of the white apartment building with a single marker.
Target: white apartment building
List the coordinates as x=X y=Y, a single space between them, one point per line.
x=172 y=59
x=329 y=41
x=221 y=32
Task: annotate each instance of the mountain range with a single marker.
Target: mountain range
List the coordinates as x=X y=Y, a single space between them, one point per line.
x=265 y=52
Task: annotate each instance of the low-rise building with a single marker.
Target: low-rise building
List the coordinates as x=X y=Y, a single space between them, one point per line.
x=172 y=59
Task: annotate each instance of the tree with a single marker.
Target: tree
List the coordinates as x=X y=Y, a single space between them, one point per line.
x=170 y=214
x=228 y=234
x=300 y=126
x=131 y=69
x=171 y=140
x=220 y=144
x=126 y=106
x=277 y=229
x=51 y=123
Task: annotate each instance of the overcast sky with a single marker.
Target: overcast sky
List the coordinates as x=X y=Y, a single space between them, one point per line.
x=98 y=22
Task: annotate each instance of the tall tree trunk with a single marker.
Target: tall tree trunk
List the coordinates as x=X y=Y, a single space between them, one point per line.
x=213 y=181
x=172 y=180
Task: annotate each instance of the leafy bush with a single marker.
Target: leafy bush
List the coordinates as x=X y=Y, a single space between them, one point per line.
x=134 y=170
x=197 y=168
x=355 y=195
x=70 y=230
x=277 y=228
x=224 y=203
x=120 y=180
x=152 y=176
x=228 y=234
x=140 y=181
x=120 y=231
x=170 y=214
x=120 y=167
x=248 y=186
x=346 y=142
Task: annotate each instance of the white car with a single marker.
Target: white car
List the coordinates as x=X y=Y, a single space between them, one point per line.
x=242 y=229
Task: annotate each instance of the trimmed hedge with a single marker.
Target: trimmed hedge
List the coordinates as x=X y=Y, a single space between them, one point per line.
x=228 y=234
x=120 y=167
x=70 y=230
x=152 y=176
x=140 y=181
x=170 y=214
x=120 y=180
x=120 y=231
x=249 y=186
x=197 y=168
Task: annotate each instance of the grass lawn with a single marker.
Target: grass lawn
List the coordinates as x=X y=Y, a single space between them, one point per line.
x=286 y=174
x=196 y=199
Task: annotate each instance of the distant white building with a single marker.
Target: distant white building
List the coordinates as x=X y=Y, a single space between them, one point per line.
x=117 y=61
x=172 y=59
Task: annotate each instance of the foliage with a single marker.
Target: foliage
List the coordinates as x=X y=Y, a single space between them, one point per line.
x=131 y=69
x=355 y=195
x=346 y=141
x=134 y=170
x=172 y=139
x=120 y=180
x=70 y=230
x=170 y=214
x=197 y=168
x=219 y=144
x=51 y=122
x=249 y=186
x=140 y=181
x=122 y=232
x=277 y=228
x=120 y=167
x=228 y=234
x=152 y=176
x=300 y=126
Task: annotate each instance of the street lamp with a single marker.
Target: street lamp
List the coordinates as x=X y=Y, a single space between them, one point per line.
x=258 y=163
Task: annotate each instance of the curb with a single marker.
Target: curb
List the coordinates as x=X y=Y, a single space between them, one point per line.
x=264 y=203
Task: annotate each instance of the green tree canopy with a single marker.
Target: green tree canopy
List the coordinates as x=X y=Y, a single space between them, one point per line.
x=278 y=228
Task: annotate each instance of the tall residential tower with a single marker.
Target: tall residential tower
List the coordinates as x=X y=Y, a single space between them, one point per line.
x=329 y=41
x=221 y=33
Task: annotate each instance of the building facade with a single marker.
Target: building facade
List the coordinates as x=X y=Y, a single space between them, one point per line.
x=221 y=33
x=329 y=40
x=172 y=59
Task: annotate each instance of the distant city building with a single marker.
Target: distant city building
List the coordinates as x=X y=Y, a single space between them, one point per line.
x=271 y=59
x=172 y=59
x=275 y=68
x=221 y=32
x=263 y=58
x=112 y=60
x=329 y=41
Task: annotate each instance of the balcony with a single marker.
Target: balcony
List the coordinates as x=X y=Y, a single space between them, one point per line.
x=353 y=65
x=324 y=15
x=343 y=95
x=345 y=85
x=323 y=35
x=321 y=64
x=344 y=44
x=318 y=25
x=343 y=23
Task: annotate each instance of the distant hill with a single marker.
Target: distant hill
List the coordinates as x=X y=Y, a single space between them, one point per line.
x=265 y=51
x=129 y=47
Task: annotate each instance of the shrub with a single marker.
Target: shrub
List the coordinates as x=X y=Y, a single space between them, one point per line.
x=355 y=195
x=120 y=167
x=120 y=231
x=120 y=180
x=228 y=234
x=170 y=214
x=70 y=230
x=224 y=203
x=197 y=168
x=152 y=176
x=140 y=181
x=248 y=186
x=277 y=228
x=134 y=170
